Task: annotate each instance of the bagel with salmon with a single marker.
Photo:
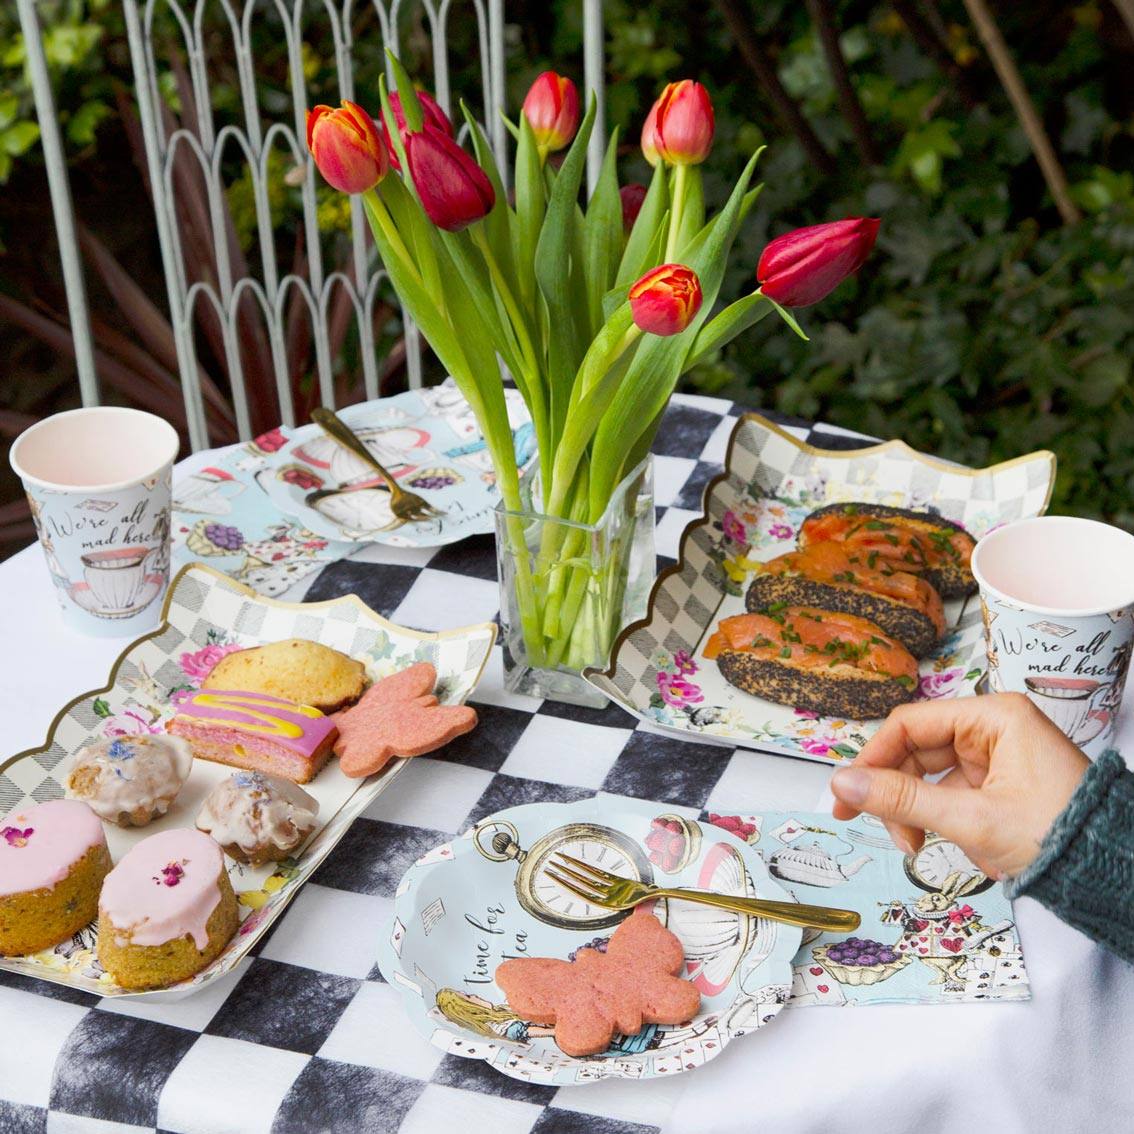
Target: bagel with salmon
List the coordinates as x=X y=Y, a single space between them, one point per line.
x=831 y=576
x=919 y=543
x=827 y=662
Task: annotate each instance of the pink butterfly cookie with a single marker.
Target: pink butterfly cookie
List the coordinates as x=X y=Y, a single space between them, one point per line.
x=633 y=983
x=397 y=716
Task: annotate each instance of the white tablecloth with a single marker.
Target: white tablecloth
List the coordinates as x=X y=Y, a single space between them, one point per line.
x=1063 y=1061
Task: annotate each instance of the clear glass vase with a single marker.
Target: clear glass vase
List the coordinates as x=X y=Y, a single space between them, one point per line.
x=566 y=589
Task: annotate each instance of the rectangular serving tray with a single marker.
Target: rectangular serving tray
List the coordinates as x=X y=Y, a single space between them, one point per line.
x=205 y=612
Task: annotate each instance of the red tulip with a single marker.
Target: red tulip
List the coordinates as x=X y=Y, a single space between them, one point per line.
x=650 y=142
x=454 y=190
x=347 y=147
x=431 y=111
x=552 y=109
x=632 y=197
x=664 y=301
x=683 y=124
x=802 y=266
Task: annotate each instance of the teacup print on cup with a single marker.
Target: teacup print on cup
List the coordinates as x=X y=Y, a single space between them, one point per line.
x=1057 y=595
x=98 y=483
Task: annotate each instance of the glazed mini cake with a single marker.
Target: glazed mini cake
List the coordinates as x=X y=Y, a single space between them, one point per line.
x=53 y=859
x=257 y=818
x=256 y=731
x=132 y=779
x=166 y=910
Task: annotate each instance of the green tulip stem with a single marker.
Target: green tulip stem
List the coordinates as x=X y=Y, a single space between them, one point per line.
x=680 y=176
x=381 y=214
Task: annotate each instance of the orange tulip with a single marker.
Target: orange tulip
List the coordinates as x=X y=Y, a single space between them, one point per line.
x=665 y=300
x=347 y=147
x=682 y=124
x=651 y=145
x=552 y=109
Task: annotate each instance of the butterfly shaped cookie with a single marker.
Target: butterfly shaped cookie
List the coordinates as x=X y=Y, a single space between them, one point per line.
x=598 y=995
x=397 y=716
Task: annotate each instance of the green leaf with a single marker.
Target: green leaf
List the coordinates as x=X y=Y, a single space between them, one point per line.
x=789 y=319
x=82 y=124
x=693 y=208
x=411 y=104
x=724 y=327
x=18 y=139
x=9 y=108
x=557 y=239
x=658 y=363
x=499 y=224
x=101 y=708
x=648 y=232
x=602 y=234
x=530 y=208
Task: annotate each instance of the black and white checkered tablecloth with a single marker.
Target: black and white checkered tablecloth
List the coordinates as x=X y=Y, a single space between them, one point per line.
x=305 y=1035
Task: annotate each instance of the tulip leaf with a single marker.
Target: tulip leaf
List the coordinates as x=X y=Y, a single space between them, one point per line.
x=530 y=206
x=602 y=235
x=653 y=218
x=725 y=326
x=411 y=104
x=789 y=319
x=510 y=126
x=553 y=273
x=391 y=123
x=658 y=364
x=499 y=226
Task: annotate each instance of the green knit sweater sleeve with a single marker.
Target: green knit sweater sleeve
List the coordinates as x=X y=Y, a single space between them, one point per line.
x=1084 y=872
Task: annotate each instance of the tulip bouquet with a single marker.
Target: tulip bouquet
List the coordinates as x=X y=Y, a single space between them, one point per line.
x=594 y=310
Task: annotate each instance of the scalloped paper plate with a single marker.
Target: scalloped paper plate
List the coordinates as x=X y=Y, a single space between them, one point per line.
x=205 y=613
x=753 y=511
x=467 y=905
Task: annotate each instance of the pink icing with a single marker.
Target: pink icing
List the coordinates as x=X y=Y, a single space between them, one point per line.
x=61 y=832
x=137 y=899
x=298 y=728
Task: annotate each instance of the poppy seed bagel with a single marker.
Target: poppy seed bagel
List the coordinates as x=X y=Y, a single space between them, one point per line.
x=911 y=627
x=837 y=692
x=949 y=579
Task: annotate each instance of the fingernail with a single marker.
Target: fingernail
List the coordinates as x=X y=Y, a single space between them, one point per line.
x=903 y=844
x=851 y=785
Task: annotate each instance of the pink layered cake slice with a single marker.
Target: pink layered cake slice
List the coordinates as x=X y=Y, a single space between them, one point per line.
x=256 y=731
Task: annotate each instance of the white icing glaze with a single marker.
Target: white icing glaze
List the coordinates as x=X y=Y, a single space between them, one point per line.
x=165 y=887
x=130 y=773
x=251 y=811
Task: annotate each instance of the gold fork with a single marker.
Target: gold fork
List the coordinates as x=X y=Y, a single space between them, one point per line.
x=601 y=888
x=406 y=506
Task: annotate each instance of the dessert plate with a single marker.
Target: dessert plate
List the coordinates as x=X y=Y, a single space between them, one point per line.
x=752 y=511
x=467 y=905
x=429 y=441
x=208 y=614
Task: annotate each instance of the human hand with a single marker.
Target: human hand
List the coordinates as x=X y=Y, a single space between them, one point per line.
x=1009 y=773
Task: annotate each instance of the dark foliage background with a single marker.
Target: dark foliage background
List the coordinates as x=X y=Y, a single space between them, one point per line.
x=986 y=323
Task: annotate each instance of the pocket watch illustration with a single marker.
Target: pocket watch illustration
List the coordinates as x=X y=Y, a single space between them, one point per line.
x=931 y=867
x=498 y=841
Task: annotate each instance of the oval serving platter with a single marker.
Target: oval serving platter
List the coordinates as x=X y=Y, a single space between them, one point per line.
x=467 y=905
x=207 y=614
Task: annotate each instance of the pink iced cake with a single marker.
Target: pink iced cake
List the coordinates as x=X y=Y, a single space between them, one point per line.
x=256 y=731
x=53 y=859
x=166 y=910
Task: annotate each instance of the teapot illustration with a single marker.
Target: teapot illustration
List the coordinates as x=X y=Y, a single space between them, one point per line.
x=812 y=865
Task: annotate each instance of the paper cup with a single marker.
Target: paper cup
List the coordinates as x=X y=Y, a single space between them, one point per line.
x=1057 y=595
x=98 y=482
